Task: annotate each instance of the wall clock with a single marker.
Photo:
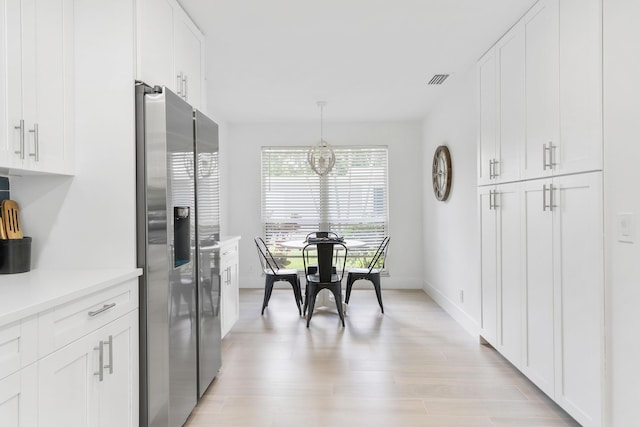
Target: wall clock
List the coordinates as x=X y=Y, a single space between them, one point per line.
x=441 y=173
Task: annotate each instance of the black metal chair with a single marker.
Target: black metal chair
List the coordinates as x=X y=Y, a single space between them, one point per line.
x=327 y=276
x=322 y=234
x=371 y=273
x=273 y=273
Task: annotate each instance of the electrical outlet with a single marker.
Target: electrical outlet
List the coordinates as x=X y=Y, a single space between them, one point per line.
x=462 y=296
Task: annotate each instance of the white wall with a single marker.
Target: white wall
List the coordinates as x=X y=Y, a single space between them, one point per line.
x=451 y=246
x=88 y=221
x=240 y=154
x=622 y=195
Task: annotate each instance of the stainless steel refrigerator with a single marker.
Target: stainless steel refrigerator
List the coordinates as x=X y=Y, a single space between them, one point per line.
x=178 y=240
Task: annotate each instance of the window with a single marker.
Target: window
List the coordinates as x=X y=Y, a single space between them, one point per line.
x=351 y=200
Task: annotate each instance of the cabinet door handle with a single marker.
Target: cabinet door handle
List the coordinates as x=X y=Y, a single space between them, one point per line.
x=552 y=155
x=101 y=310
x=495 y=200
x=491 y=163
x=110 y=344
x=36 y=143
x=21 y=150
x=186 y=85
x=100 y=372
x=179 y=85
x=546 y=206
x=550 y=149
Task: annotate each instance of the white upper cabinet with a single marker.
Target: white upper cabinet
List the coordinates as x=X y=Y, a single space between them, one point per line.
x=541 y=95
x=38 y=76
x=189 y=48
x=511 y=101
x=542 y=91
x=487 y=123
x=581 y=130
x=171 y=50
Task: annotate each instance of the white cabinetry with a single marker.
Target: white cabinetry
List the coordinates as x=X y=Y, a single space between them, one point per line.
x=99 y=375
x=541 y=86
x=37 y=79
x=229 y=284
x=542 y=280
x=71 y=364
x=18 y=373
x=564 y=281
x=501 y=290
x=487 y=123
x=171 y=50
x=18 y=398
x=541 y=95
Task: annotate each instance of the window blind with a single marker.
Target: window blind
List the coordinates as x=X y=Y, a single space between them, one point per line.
x=352 y=200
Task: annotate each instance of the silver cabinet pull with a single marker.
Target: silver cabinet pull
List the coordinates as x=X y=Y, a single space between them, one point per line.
x=552 y=155
x=21 y=150
x=186 y=85
x=100 y=372
x=550 y=150
x=36 y=143
x=101 y=310
x=551 y=205
x=179 y=85
x=490 y=200
x=495 y=200
x=110 y=344
x=493 y=170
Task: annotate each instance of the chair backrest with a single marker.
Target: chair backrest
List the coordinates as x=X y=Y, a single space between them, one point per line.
x=267 y=261
x=381 y=254
x=322 y=234
x=326 y=253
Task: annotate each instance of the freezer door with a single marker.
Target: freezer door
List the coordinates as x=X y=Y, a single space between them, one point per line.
x=208 y=235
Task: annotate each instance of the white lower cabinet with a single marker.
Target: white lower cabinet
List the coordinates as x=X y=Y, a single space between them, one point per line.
x=501 y=290
x=99 y=376
x=564 y=289
x=18 y=397
x=74 y=363
x=229 y=284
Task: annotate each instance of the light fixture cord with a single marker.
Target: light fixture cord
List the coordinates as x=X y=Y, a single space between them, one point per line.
x=321 y=122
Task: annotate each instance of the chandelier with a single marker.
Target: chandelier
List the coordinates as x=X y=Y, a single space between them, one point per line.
x=321 y=157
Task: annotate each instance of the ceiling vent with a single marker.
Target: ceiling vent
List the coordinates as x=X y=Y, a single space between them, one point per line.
x=438 y=79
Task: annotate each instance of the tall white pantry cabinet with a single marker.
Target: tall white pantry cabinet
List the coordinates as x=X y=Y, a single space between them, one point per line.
x=541 y=203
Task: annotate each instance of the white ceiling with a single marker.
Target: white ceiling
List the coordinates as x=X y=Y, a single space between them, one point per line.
x=369 y=59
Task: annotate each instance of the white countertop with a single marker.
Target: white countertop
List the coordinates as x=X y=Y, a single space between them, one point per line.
x=26 y=294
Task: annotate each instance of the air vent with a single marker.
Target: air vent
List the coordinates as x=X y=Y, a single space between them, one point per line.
x=438 y=79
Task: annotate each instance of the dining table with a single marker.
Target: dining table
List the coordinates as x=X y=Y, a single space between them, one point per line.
x=325 y=298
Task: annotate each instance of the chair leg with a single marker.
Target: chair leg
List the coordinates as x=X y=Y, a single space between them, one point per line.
x=268 y=288
x=350 y=279
x=306 y=299
x=296 y=293
x=338 y=297
x=312 y=292
x=375 y=279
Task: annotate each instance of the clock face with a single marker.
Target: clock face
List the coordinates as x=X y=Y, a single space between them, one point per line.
x=441 y=173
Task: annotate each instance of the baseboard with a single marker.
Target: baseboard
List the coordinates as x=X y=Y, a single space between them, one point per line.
x=459 y=315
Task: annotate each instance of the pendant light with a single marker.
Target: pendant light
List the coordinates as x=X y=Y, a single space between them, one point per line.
x=321 y=157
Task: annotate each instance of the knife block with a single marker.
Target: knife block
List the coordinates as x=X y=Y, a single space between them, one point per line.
x=15 y=255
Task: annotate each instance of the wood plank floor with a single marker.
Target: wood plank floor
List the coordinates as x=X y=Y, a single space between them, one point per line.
x=412 y=366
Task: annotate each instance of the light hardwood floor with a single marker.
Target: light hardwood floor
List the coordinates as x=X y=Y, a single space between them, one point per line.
x=412 y=366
